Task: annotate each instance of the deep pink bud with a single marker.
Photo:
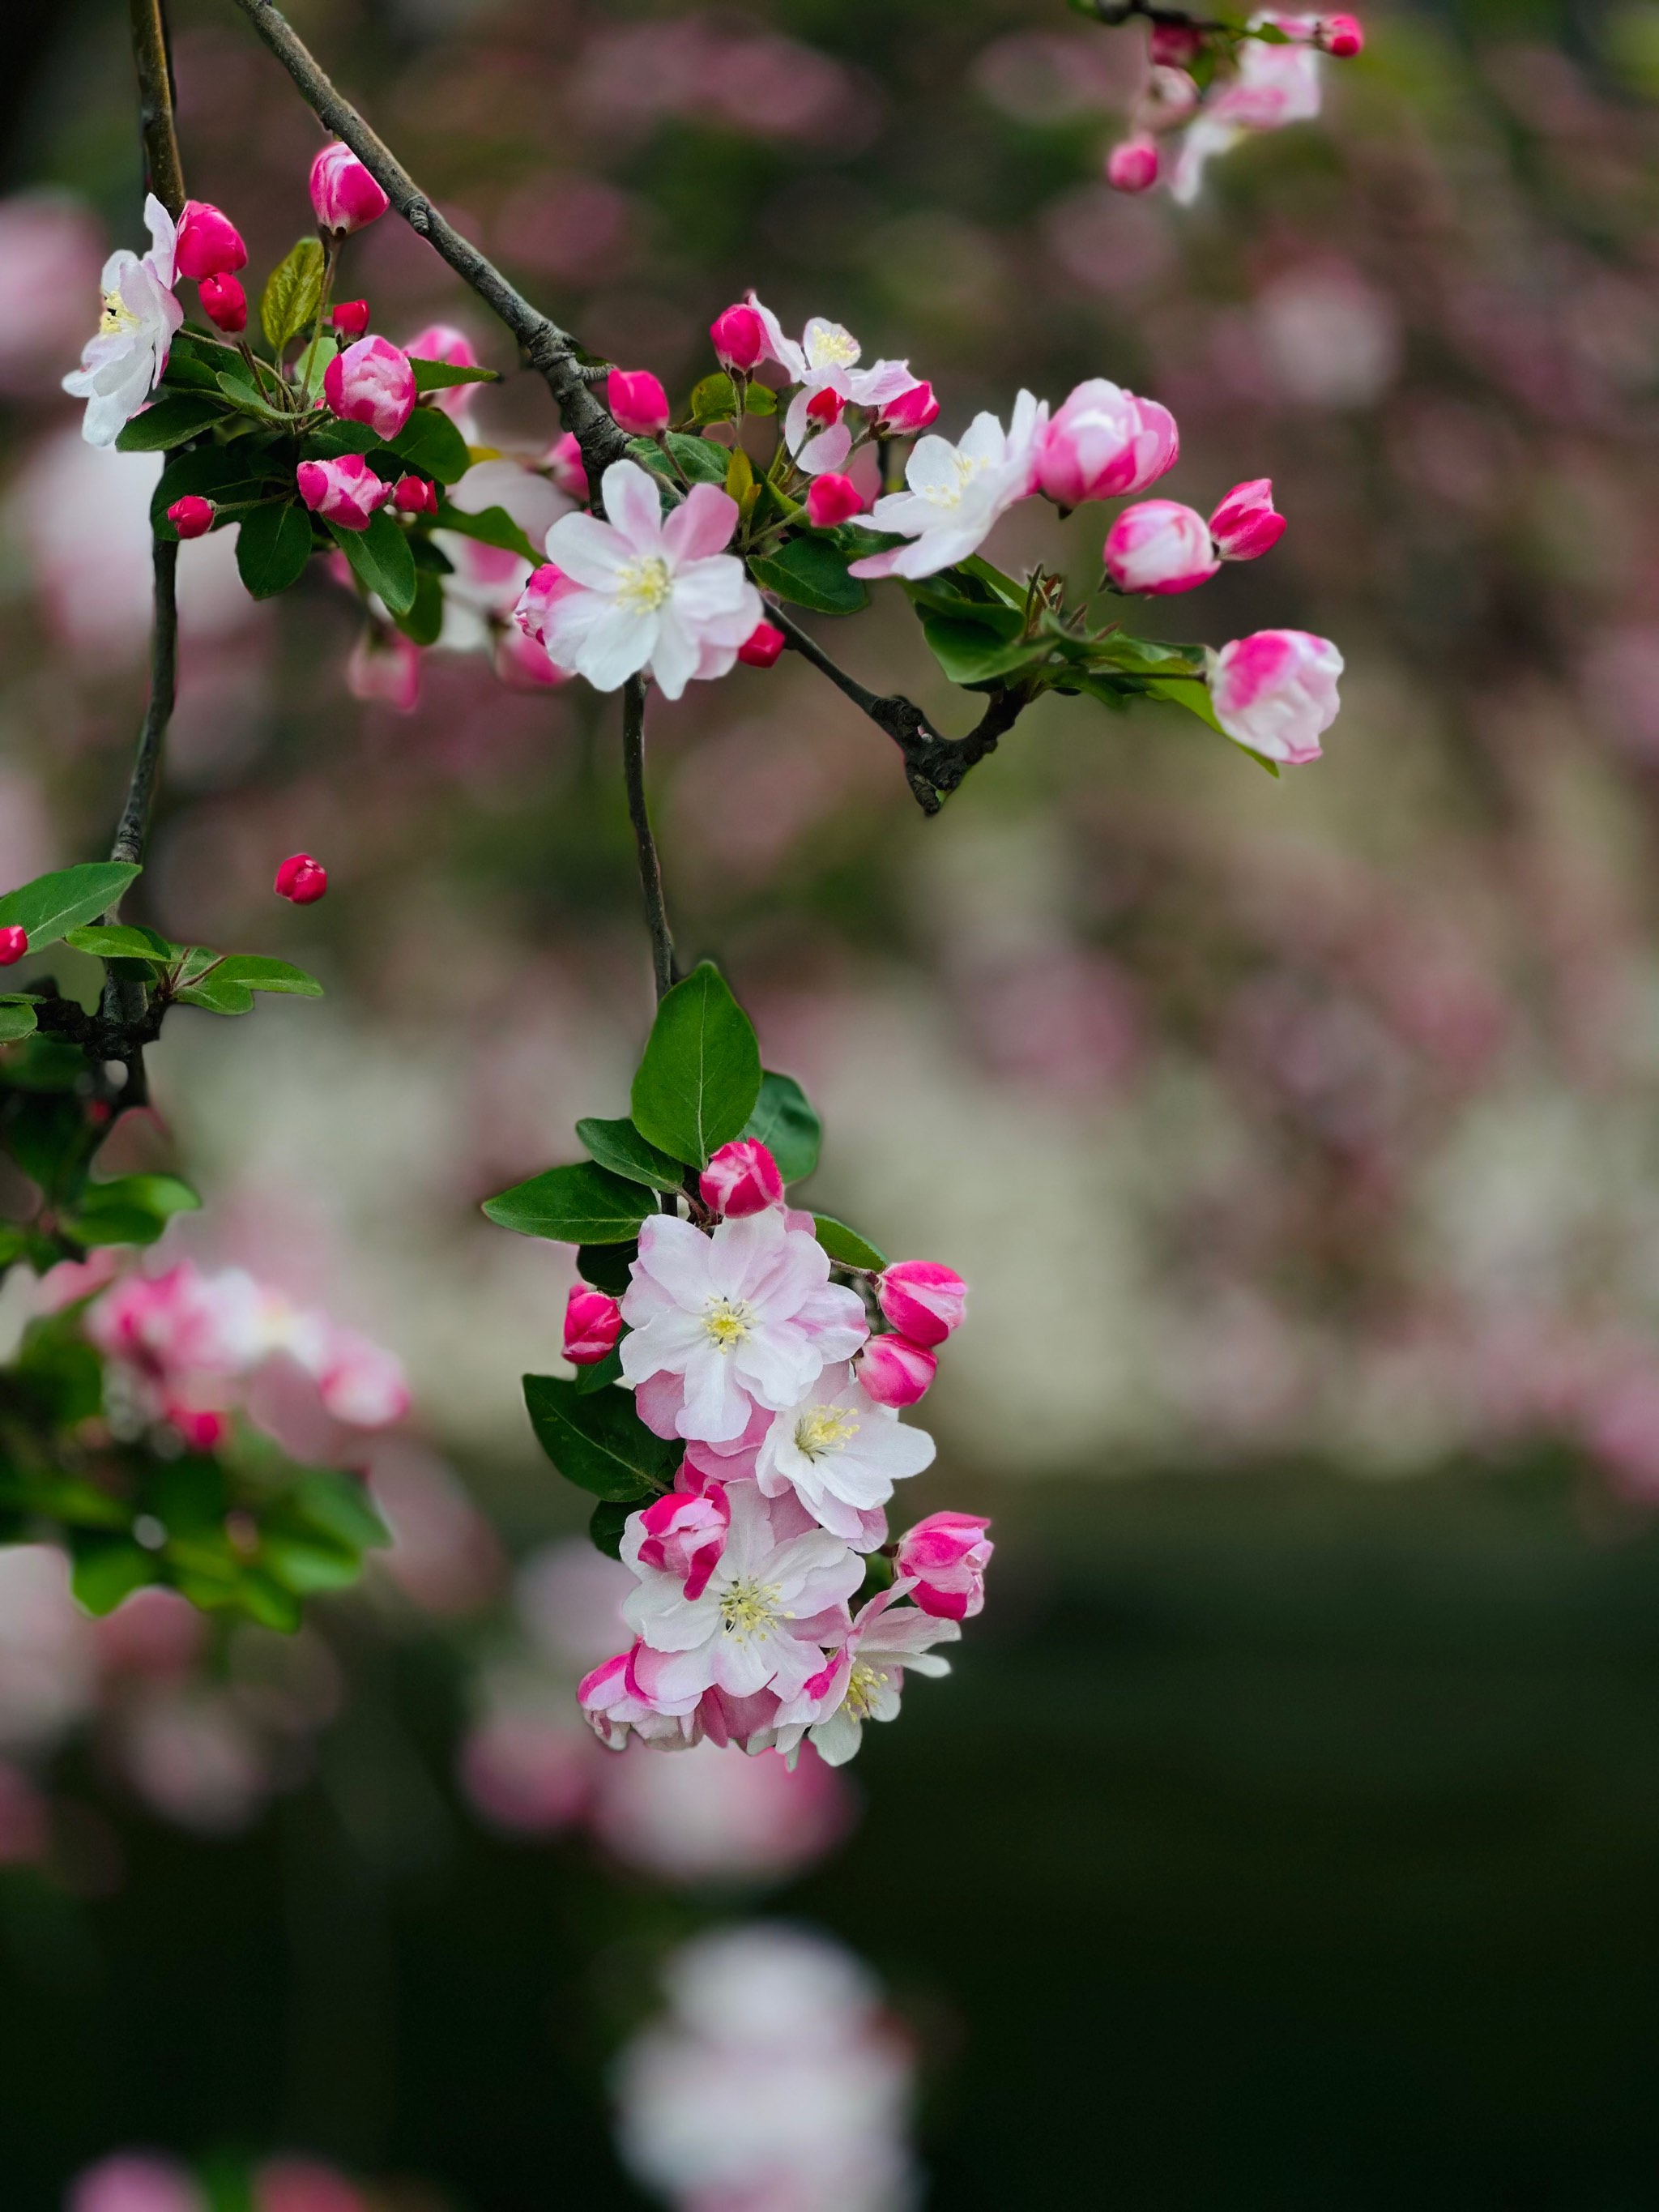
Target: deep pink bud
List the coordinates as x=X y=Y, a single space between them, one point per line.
x=1174 y=46
x=1158 y=547
x=344 y=194
x=345 y=491
x=1246 y=524
x=826 y=407
x=947 y=1553
x=924 y=1300
x=350 y=317
x=638 y=402
x=224 y=303
x=191 y=517
x=13 y=943
x=912 y=410
x=593 y=1322
x=372 y=382
x=831 y=499
x=896 y=1372
x=1341 y=35
x=209 y=244
x=1132 y=165
x=415 y=495
x=741 y=1178
x=740 y=337
x=761 y=648
x=684 y=1533
x=301 y=878
x=565 y=467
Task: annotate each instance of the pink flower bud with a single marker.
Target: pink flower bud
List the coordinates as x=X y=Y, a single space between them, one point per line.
x=344 y=194
x=1341 y=35
x=301 y=879
x=544 y=589
x=385 y=669
x=947 y=1553
x=761 y=648
x=825 y=407
x=1170 y=97
x=684 y=1534
x=638 y=402
x=896 y=1372
x=350 y=317
x=191 y=517
x=200 y=1430
x=415 y=495
x=1103 y=442
x=593 y=1322
x=1275 y=691
x=742 y=1178
x=1132 y=165
x=1174 y=46
x=224 y=303
x=372 y=382
x=912 y=410
x=345 y=491
x=209 y=243
x=740 y=337
x=565 y=467
x=924 y=1300
x=1159 y=547
x=13 y=943
x=1246 y=525
x=831 y=499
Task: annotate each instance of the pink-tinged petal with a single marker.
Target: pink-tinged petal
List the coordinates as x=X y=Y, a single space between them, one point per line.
x=676 y=655
x=713 y=590
x=784 y=351
x=618 y=644
x=676 y=1255
x=701 y=526
x=589 y=551
x=828 y=451
x=716 y=1405
x=633 y=502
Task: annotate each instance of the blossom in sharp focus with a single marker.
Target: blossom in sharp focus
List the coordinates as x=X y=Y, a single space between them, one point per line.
x=741 y=1177
x=956 y=493
x=208 y=242
x=649 y=594
x=122 y=365
x=684 y=1533
x=840 y=1452
x=614 y=1706
x=1275 y=691
x=372 y=382
x=745 y=1318
x=924 y=1299
x=895 y=1371
x=344 y=195
x=945 y=1557
x=864 y=1678
x=761 y=1617
x=1103 y=442
x=823 y=364
x=1247 y=524
x=345 y=491
x=1160 y=546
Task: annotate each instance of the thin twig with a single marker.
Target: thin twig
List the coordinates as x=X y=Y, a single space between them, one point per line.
x=164 y=173
x=656 y=909
x=134 y=829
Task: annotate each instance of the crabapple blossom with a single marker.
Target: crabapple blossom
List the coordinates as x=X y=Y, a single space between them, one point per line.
x=344 y=195
x=956 y=493
x=700 y=1818
x=1246 y=524
x=1102 y=442
x=684 y=1533
x=1132 y=165
x=724 y=1324
x=863 y=1678
x=831 y=499
x=759 y=1616
x=1275 y=691
x=1159 y=547
x=614 y=1705
x=945 y=1557
x=924 y=1299
x=739 y=338
x=1341 y=35
x=638 y=401
x=741 y=1177
x=443 y=341
x=649 y=593
x=344 y=490
x=224 y=303
x=896 y=1372
x=907 y=412
x=384 y=668
x=761 y=648
x=134 y=2181
x=413 y=495
x=372 y=382
x=122 y=364
x=350 y=317
x=593 y=1322
x=301 y=878
x=840 y=1452
x=1170 y=98
x=207 y=243
x=191 y=517
x=565 y=467
x=825 y=360
x=1275 y=85
x=13 y=943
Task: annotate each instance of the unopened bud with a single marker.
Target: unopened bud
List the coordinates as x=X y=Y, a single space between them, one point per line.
x=638 y=402
x=741 y=1178
x=343 y=194
x=761 y=648
x=301 y=878
x=947 y=1554
x=831 y=499
x=565 y=468
x=1342 y=35
x=224 y=303
x=1174 y=46
x=372 y=382
x=1158 y=547
x=13 y=943
x=825 y=407
x=912 y=410
x=593 y=1322
x=739 y=338
x=894 y=1371
x=415 y=495
x=209 y=242
x=924 y=1299
x=1246 y=525
x=1132 y=165
x=350 y=317
x=191 y=517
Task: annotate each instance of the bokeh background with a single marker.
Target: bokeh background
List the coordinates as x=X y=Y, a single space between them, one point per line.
x=1287 y=1835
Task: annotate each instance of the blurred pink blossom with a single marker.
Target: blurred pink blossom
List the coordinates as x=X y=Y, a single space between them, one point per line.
x=135 y=2181
x=701 y=1815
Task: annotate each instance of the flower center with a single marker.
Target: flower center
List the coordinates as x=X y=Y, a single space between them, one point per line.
x=824 y=1428
x=751 y=1609
x=117 y=317
x=728 y=1321
x=951 y=496
x=643 y=584
x=835 y=347
x=862 y=1685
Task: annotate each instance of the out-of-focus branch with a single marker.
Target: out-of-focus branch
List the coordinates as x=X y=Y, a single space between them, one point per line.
x=164 y=173
x=656 y=908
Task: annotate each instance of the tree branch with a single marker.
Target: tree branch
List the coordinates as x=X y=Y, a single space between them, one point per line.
x=133 y=829
x=656 y=909
x=164 y=173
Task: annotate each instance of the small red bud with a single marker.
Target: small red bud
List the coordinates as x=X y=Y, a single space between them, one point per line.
x=350 y=317
x=13 y=943
x=415 y=495
x=831 y=499
x=825 y=407
x=1174 y=46
x=191 y=517
x=638 y=402
x=224 y=303
x=763 y=646
x=1342 y=35
x=301 y=879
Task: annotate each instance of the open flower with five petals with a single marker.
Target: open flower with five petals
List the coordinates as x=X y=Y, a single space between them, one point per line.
x=956 y=493
x=863 y=1679
x=841 y=1453
x=122 y=365
x=823 y=364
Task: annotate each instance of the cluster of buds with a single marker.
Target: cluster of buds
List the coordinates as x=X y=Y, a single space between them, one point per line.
x=1160 y=546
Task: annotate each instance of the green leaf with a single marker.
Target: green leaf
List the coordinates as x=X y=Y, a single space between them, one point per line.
x=51 y=906
x=122 y=940
x=272 y=548
x=340 y=1506
x=130 y=1209
x=785 y=1124
x=607 y=1526
x=108 y=1569
x=490 y=526
x=699 y=1076
x=293 y=293
x=227 y=985
x=18 y=1019
x=431 y=445
x=178 y=415
x=247 y=400
x=969 y=655
x=608 y=1266
x=381 y=560
x=425 y=619
x=311 y=365
x=619 y=1146
x=845 y=1244
x=809 y=572
x=228 y=475
x=194 y=362
x=703 y=461
x=961 y=599
x=579 y=1205
x=1008 y=589
x=716 y=399
x=599 y=1442
x=601 y=1376
x=308 y=1565
x=439 y=375
x=1190 y=692
x=329 y=437
x=760 y=399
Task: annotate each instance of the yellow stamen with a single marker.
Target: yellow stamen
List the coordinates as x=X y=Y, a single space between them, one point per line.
x=117 y=317
x=824 y=1428
x=863 y=1685
x=643 y=584
x=728 y=1321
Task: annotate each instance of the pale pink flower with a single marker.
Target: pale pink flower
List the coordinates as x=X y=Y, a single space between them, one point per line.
x=1274 y=86
x=135 y=2181
x=384 y=667
x=1275 y=691
x=527 y=1774
x=839 y=1452
x=1158 y=547
x=956 y=493
x=743 y=1318
x=863 y=1681
x=122 y=364
x=741 y=1177
x=825 y=361
x=924 y=1299
x=1103 y=442
x=654 y=594
x=372 y=382
x=945 y=1557
x=701 y=1817
x=359 y=1382
x=615 y=1704
x=684 y=1533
